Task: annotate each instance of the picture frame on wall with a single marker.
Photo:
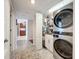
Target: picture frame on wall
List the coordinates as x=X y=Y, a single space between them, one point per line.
x=21 y=29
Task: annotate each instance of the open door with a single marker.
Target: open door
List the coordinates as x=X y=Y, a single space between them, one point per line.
x=7 y=29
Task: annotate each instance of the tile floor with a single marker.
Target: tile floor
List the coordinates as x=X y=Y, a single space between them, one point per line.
x=31 y=53
x=45 y=54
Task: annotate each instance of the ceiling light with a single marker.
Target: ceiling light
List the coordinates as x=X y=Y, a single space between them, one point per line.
x=32 y=1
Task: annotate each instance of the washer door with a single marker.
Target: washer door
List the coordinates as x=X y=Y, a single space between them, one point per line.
x=64 y=18
x=63 y=48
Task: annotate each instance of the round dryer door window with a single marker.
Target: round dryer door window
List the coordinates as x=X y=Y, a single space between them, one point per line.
x=63 y=48
x=64 y=18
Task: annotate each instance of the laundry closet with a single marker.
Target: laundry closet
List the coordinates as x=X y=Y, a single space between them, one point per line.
x=59 y=32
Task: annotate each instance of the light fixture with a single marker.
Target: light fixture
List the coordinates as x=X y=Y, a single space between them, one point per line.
x=32 y=1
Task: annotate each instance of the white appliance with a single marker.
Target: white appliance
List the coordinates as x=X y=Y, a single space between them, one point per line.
x=49 y=42
x=63 y=32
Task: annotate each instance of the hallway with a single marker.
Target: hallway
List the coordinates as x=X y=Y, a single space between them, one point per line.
x=31 y=29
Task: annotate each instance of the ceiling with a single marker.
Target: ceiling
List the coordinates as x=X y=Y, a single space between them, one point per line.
x=24 y=8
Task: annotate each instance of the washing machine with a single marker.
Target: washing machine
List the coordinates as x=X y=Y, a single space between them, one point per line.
x=63 y=32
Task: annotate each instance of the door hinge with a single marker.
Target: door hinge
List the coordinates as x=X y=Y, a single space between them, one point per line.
x=10 y=29
x=10 y=44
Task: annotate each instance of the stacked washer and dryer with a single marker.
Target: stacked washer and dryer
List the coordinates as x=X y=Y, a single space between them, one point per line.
x=63 y=32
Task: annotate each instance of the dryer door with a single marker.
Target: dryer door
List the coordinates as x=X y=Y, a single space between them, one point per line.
x=64 y=18
x=63 y=48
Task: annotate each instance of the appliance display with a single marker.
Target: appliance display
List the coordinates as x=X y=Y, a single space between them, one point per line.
x=63 y=48
x=64 y=18
x=63 y=32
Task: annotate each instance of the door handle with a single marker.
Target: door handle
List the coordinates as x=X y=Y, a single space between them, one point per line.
x=5 y=40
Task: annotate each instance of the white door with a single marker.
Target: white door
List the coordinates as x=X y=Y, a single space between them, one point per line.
x=7 y=29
